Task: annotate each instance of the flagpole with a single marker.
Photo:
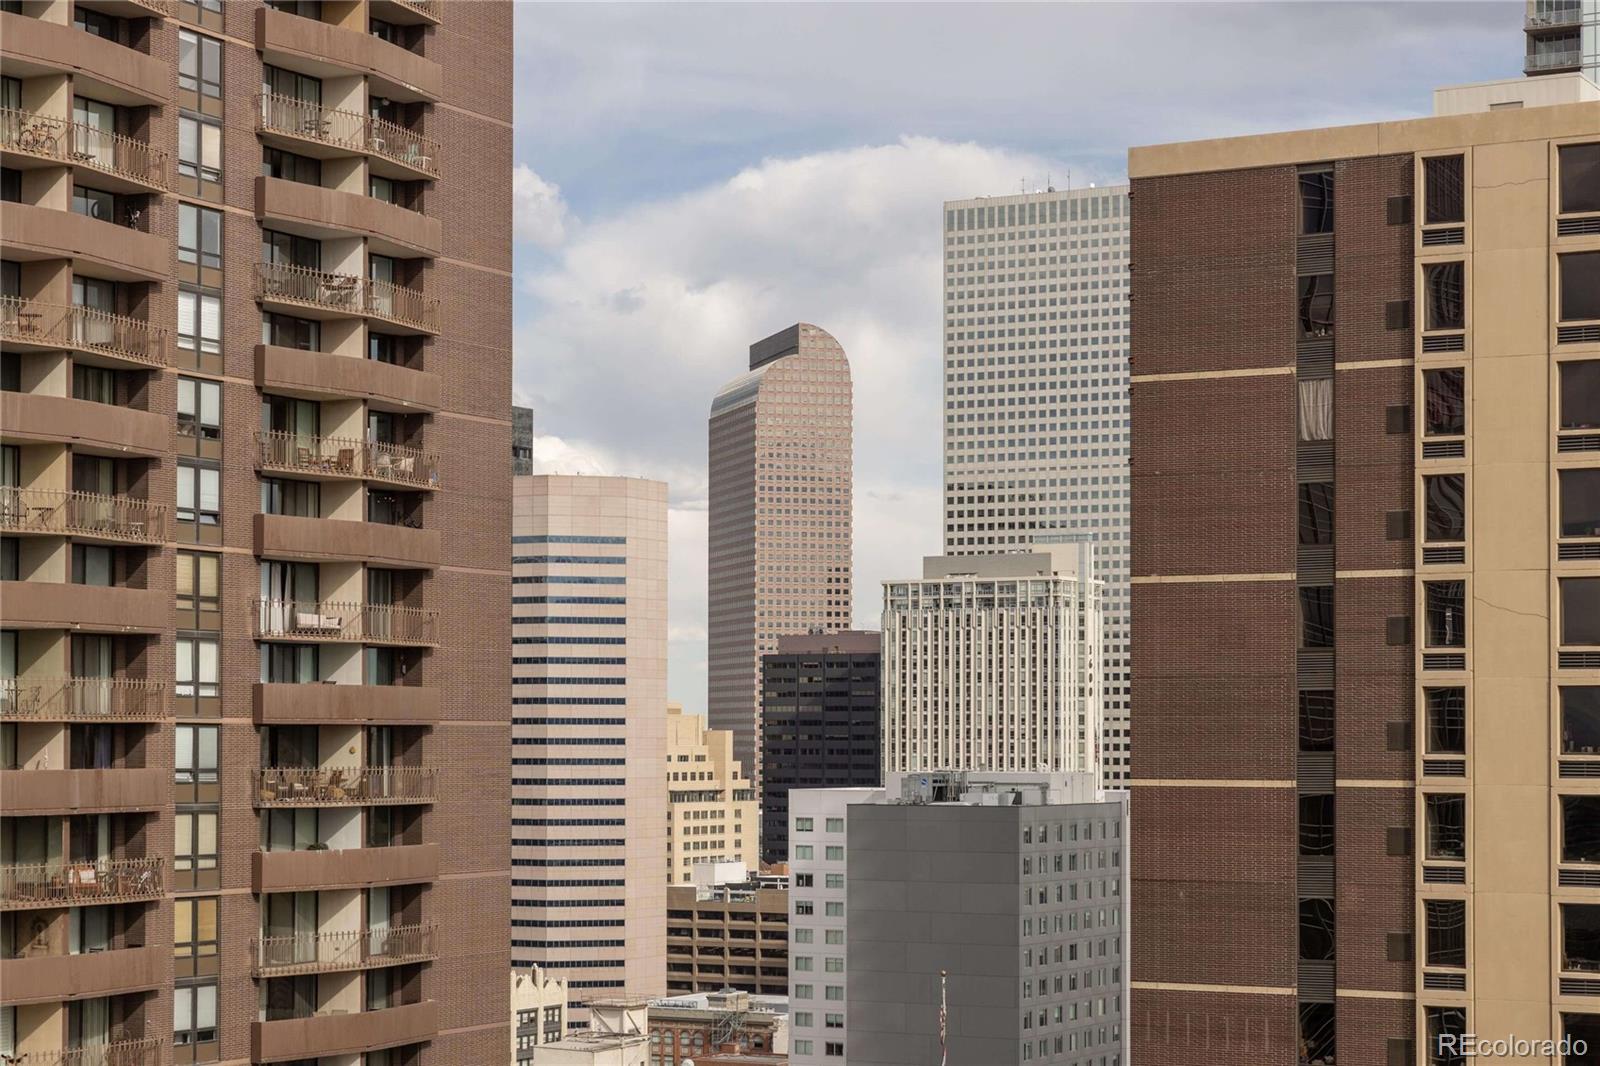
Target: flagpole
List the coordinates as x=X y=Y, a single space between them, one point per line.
x=944 y=1023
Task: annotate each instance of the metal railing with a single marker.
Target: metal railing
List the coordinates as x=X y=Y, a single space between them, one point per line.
x=348 y=129
x=78 y=143
x=143 y=1052
x=1542 y=14
x=352 y=950
x=325 y=620
x=388 y=300
x=78 y=883
x=91 y=699
x=85 y=514
x=346 y=292
x=1542 y=61
x=352 y=786
x=346 y=456
x=71 y=326
x=427 y=7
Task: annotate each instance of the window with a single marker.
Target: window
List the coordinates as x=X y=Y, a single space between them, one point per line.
x=1580 y=611
x=1443 y=179
x=1580 y=502
x=283 y=496
x=1580 y=395
x=1316 y=201
x=1316 y=409
x=1445 y=614
x=1316 y=306
x=1446 y=712
x=804 y=907
x=833 y=936
x=199 y=320
x=1579 y=166
x=834 y=853
x=199 y=408
x=834 y=1048
x=1580 y=719
x=833 y=992
x=194 y=1014
x=1316 y=512
x=1446 y=507
x=833 y=1021
x=1316 y=1034
x=277 y=163
x=382 y=189
x=802 y=825
x=291 y=84
x=803 y=1047
x=834 y=909
x=93 y=564
x=199 y=235
x=195 y=758
x=1580 y=286
x=94 y=23
x=195 y=843
x=802 y=991
x=1316 y=929
x=802 y=851
x=1445 y=819
x=834 y=825
x=1316 y=616
x=199 y=63
x=1446 y=295
x=1580 y=829
x=199 y=147
x=833 y=880
x=803 y=880
x=1445 y=403
x=802 y=936
x=94 y=383
x=198 y=581
x=194 y=927
x=803 y=963
x=833 y=964
x=1447 y=932
x=196 y=666
x=1316 y=720
x=199 y=493
x=286 y=331
x=95 y=203
x=1316 y=824
x=1446 y=1028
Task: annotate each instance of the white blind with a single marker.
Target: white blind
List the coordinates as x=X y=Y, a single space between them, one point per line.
x=210 y=403
x=186 y=313
x=210 y=318
x=210 y=492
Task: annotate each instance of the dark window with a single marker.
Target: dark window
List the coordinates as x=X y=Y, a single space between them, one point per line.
x=1316 y=306
x=1445 y=603
x=1445 y=817
x=1580 y=937
x=10 y=185
x=1585 y=1028
x=1316 y=616
x=276 y=163
x=1447 y=931
x=96 y=203
x=1316 y=929
x=1316 y=720
x=1580 y=829
x=1580 y=502
x=1580 y=611
x=1446 y=1027
x=1316 y=1034
x=1443 y=176
x=1580 y=395
x=284 y=496
x=95 y=23
x=286 y=331
x=1316 y=201
x=292 y=84
x=1316 y=824
x=1446 y=294
x=1580 y=719
x=1445 y=402
x=1316 y=512
x=289 y=249
x=1580 y=286
x=1580 y=177
x=1447 y=720
x=1447 y=510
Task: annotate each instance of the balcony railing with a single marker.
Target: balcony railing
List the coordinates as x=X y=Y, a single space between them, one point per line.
x=333 y=621
x=346 y=293
x=76 y=884
x=64 y=141
x=81 y=514
x=346 y=786
x=69 y=326
x=145 y=1052
x=346 y=457
x=300 y=953
x=89 y=699
x=349 y=130
x=1546 y=61
x=385 y=299
x=1544 y=16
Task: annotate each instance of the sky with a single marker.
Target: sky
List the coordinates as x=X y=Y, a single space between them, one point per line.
x=693 y=178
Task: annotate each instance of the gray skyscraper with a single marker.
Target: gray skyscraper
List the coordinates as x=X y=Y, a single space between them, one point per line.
x=1036 y=394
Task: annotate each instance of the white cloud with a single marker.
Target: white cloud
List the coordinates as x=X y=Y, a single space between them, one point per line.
x=643 y=315
x=540 y=214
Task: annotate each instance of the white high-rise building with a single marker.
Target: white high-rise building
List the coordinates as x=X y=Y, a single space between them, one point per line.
x=1036 y=394
x=992 y=663
x=1563 y=36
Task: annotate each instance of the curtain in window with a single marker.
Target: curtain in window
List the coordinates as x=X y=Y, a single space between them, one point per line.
x=1316 y=409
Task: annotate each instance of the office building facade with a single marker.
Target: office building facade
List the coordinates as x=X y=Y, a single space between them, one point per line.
x=538 y=1012
x=711 y=807
x=255 y=318
x=780 y=527
x=821 y=724
x=1036 y=395
x=992 y=663
x=1366 y=496
x=589 y=733
x=731 y=935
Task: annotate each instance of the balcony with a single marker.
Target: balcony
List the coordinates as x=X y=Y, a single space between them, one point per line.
x=86 y=516
x=294 y=1039
x=341 y=458
x=329 y=214
x=300 y=953
x=81 y=884
x=85 y=608
x=117 y=162
x=315 y=294
x=328 y=704
x=334 y=622
x=407 y=12
x=33 y=792
x=145 y=1052
x=344 y=786
x=122 y=253
x=1552 y=62
x=313 y=871
x=52 y=978
x=324 y=540
x=90 y=427
x=329 y=51
x=1546 y=16
x=102 y=69
x=117 y=340
x=327 y=132
x=83 y=699
x=323 y=376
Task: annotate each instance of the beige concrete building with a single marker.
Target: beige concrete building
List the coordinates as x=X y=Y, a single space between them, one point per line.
x=538 y=1012
x=589 y=732
x=780 y=544
x=728 y=936
x=711 y=807
x=618 y=1035
x=1366 y=499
